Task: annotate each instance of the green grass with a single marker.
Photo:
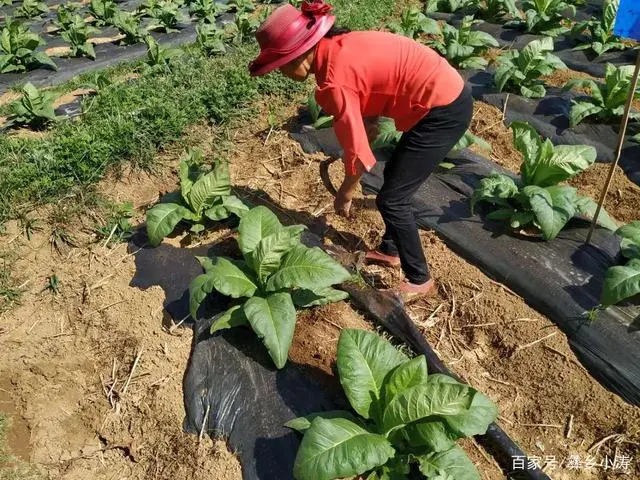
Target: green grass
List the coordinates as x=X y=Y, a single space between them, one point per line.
x=131 y=121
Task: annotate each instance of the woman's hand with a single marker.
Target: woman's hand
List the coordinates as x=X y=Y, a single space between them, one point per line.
x=342 y=202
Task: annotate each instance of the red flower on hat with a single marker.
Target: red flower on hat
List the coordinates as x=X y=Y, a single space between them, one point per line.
x=315 y=7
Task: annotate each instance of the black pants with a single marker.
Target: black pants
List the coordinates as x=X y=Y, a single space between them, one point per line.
x=417 y=155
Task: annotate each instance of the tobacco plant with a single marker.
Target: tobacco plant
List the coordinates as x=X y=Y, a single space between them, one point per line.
x=413 y=23
x=211 y=38
x=545 y=17
x=402 y=416
x=18 y=48
x=538 y=198
x=623 y=282
x=128 y=25
x=204 y=194
x=607 y=100
x=520 y=71
x=31 y=9
x=245 y=26
x=600 y=31
x=464 y=47
x=242 y=6
x=276 y=275
x=158 y=57
x=166 y=15
x=207 y=10
x=77 y=33
x=34 y=108
x=447 y=6
x=496 y=10
x=103 y=11
x=65 y=15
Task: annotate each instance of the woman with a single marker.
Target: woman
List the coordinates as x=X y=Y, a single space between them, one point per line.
x=362 y=76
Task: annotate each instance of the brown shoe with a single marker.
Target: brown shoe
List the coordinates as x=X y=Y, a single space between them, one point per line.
x=379 y=258
x=410 y=291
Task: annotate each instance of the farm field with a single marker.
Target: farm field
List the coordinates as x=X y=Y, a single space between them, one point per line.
x=114 y=269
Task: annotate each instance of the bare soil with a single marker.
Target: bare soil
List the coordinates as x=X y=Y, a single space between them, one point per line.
x=624 y=198
x=64 y=352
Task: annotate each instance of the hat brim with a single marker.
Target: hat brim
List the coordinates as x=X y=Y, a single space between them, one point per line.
x=263 y=65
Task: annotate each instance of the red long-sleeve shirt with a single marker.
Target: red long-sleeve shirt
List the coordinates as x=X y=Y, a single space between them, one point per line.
x=373 y=74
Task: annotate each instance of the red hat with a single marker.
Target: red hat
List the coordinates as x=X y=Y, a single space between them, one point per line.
x=288 y=33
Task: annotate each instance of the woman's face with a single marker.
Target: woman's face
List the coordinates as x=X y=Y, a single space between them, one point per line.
x=299 y=68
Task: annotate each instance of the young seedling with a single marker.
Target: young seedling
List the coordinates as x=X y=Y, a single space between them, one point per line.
x=53 y=284
x=538 y=198
x=277 y=274
x=545 y=17
x=158 y=57
x=464 y=47
x=34 y=108
x=103 y=11
x=520 y=71
x=413 y=23
x=31 y=9
x=211 y=38
x=203 y=195
x=402 y=416
x=623 y=282
x=600 y=31
x=77 y=33
x=207 y=10
x=18 y=48
x=607 y=100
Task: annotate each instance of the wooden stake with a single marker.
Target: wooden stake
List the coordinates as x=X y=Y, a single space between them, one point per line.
x=623 y=130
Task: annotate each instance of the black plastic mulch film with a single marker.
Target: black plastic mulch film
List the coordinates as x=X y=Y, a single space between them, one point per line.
x=232 y=390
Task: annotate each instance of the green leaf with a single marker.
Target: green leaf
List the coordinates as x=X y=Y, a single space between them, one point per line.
x=199 y=288
x=231 y=279
x=256 y=224
x=553 y=207
x=587 y=207
x=582 y=109
x=234 y=317
x=216 y=213
x=162 y=219
x=533 y=91
x=566 y=162
x=501 y=214
x=209 y=186
x=302 y=424
x=364 y=360
x=432 y=433
x=308 y=298
x=339 y=448
x=526 y=140
x=44 y=59
x=388 y=136
x=476 y=419
x=630 y=231
x=274 y=320
x=452 y=464
x=621 y=282
x=307 y=268
x=496 y=189
x=234 y=205
x=422 y=401
x=266 y=258
x=404 y=376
